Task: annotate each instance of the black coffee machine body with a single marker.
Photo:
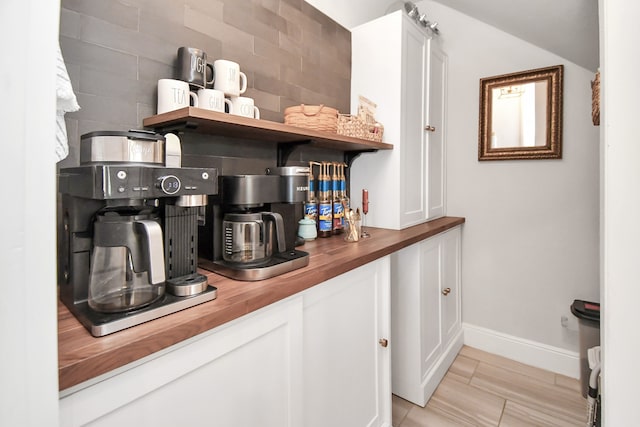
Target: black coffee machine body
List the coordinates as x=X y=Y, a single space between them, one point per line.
x=251 y=231
x=129 y=232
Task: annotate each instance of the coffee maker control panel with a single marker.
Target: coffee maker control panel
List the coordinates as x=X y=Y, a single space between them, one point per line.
x=169 y=184
x=104 y=182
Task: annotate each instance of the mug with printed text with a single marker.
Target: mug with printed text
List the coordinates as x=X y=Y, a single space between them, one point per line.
x=193 y=68
x=214 y=100
x=243 y=106
x=229 y=79
x=174 y=94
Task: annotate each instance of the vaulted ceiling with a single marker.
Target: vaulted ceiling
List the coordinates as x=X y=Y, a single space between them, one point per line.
x=568 y=28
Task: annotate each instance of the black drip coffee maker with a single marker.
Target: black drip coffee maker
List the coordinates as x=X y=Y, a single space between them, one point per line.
x=129 y=243
x=251 y=231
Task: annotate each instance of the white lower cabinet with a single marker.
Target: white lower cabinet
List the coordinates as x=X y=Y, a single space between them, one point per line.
x=425 y=314
x=244 y=374
x=313 y=359
x=346 y=358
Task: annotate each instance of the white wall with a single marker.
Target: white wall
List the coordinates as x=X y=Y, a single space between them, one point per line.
x=530 y=243
x=355 y=12
x=621 y=202
x=28 y=311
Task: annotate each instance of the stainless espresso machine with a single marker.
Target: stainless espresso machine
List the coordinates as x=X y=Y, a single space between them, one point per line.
x=129 y=241
x=251 y=232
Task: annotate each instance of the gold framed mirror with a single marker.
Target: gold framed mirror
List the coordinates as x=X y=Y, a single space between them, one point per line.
x=521 y=115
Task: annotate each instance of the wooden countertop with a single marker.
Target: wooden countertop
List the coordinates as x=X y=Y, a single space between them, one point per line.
x=82 y=357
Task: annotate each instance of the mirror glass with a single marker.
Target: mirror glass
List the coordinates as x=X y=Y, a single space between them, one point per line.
x=520 y=115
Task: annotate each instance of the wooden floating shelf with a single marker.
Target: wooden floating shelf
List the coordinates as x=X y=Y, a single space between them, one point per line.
x=216 y=123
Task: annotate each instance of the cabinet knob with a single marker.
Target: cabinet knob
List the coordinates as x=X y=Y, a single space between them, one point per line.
x=446 y=291
x=383 y=342
x=429 y=128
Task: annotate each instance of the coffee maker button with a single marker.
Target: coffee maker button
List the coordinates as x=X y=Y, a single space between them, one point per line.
x=121 y=189
x=121 y=174
x=170 y=184
x=205 y=175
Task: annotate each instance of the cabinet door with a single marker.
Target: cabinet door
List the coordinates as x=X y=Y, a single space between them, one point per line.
x=435 y=130
x=346 y=370
x=413 y=168
x=426 y=325
x=415 y=318
x=245 y=374
x=430 y=308
x=451 y=316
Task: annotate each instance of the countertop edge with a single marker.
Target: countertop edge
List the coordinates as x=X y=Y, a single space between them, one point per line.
x=82 y=357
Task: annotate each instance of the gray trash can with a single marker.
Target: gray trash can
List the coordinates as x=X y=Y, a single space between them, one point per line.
x=588 y=314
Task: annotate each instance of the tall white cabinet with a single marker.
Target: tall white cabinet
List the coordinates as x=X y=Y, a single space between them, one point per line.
x=425 y=314
x=397 y=65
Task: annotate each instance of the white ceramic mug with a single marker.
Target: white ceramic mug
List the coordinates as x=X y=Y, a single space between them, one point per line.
x=243 y=106
x=174 y=94
x=229 y=78
x=214 y=100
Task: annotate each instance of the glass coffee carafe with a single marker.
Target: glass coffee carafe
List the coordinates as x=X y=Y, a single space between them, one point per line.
x=127 y=264
x=251 y=238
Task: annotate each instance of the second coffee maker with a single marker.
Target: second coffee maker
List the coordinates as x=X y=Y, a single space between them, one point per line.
x=251 y=231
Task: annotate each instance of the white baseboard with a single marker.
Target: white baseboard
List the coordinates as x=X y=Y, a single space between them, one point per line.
x=532 y=353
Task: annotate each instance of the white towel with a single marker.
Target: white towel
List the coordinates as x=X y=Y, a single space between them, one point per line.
x=65 y=102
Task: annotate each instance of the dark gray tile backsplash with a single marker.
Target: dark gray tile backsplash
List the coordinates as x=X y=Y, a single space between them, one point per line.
x=117 y=50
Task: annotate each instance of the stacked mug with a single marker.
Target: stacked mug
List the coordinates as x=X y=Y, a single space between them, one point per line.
x=233 y=83
x=211 y=81
x=192 y=73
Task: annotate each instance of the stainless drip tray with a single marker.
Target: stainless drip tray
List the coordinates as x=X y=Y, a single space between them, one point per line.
x=280 y=263
x=100 y=324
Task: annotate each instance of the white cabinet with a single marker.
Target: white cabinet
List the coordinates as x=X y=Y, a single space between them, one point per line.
x=346 y=349
x=247 y=373
x=398 y=66
x=312 y=359
x=425 y=314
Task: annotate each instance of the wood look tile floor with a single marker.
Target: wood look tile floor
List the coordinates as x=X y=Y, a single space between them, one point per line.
x=482 y=389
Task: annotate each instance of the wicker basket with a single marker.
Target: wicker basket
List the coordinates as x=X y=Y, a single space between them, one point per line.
x=316 y=117
x=595 y=100
x=354 y=126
